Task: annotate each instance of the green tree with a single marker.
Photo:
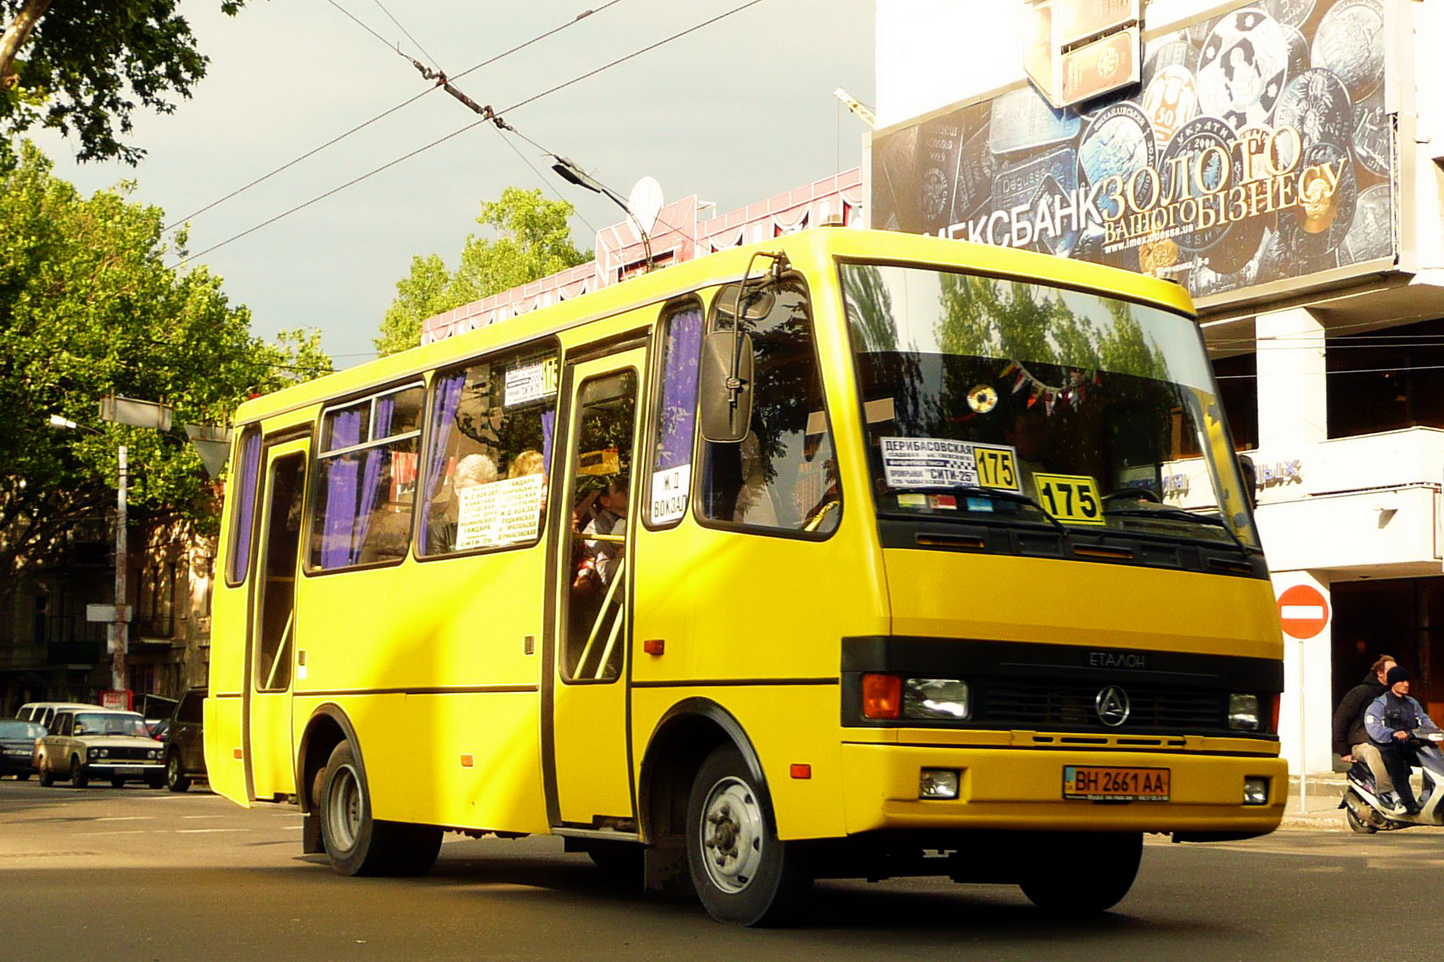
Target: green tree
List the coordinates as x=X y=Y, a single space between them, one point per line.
x=532 y=241
x=87 y=308
x=82 y=67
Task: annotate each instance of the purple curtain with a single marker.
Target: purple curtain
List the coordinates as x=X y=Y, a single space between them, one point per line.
x=246 y=506
x=338 y=519
x=549 y=432
x=371 y=471
x=443 y=416
x=678 y=415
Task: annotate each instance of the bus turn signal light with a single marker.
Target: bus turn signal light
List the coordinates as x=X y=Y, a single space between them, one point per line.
x=881 y=696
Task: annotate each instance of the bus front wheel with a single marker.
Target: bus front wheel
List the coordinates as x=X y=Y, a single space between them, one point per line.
x=741 y=871
x=358 y=844
x=1084 y=873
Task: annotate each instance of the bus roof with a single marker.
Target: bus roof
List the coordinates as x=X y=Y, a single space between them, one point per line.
x=812 y=246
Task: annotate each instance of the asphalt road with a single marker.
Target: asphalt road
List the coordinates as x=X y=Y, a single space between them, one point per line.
x=136 y=874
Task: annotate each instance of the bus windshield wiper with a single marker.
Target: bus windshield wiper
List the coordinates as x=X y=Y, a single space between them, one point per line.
x=1165 y=512
x=996 y=494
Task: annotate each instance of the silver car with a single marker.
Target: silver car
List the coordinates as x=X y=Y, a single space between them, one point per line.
x=99 y=743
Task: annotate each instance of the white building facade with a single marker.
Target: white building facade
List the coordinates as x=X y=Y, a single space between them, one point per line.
x=1284 y=160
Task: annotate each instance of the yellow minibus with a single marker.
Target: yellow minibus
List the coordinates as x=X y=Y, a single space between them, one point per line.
x=846 y=554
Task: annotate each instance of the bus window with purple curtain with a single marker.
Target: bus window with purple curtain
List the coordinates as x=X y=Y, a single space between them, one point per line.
x=489 y=446
x=366 y=480
x=676 y=415
x=243 y=486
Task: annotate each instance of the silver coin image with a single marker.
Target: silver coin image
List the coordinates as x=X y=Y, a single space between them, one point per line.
x=1170 y=50
x=1372 y=234
x=1207 y=172
x=1117 y=142
x=1373 y=135
x=1350 y=42
x=1299 y=56
x=1316 y=103
x=1328 y=195
x=1243 y=67
x=1291 y=13
x=1170 y=100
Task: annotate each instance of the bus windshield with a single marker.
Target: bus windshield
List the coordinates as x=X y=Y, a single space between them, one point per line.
x=996 y=399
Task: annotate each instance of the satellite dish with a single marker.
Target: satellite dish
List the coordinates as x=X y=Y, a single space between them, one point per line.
x=645 y=203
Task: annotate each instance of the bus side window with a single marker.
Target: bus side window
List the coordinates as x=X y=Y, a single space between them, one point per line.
x=666 y=496
x=783 y=474
x=367 y=480
x=491 y=426
x=244 y=487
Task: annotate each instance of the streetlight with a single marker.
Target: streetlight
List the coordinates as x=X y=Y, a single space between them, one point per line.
x=569 y=171
x=116 y=637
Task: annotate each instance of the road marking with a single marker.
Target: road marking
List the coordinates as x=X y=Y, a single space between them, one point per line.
x=102 y=834
x=205 y=831
x=126 y=818
x=203 y=816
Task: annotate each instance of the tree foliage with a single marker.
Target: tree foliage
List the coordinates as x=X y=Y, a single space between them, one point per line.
x=83 y=66
x=533 y=241
x=88 y=308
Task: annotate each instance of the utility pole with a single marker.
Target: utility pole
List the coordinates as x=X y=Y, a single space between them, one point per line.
x=119 y=632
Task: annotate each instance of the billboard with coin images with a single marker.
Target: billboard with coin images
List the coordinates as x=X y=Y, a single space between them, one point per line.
x=1255 y=150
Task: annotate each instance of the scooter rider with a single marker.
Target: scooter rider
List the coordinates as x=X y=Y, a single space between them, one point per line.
x=1351 y=738
x=1392 y=720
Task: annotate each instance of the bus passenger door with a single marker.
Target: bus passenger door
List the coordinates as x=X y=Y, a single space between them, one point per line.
x=271 y=646
x=589 y=771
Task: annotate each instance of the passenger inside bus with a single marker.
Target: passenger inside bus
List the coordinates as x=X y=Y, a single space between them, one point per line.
x=472 y=470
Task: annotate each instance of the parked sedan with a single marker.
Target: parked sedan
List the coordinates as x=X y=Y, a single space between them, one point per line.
x=17 y=746
x=98 y=743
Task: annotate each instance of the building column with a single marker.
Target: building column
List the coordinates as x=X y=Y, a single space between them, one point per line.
x=1292 y=389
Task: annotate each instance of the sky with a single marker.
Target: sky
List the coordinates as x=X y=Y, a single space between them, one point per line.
x=734 y=112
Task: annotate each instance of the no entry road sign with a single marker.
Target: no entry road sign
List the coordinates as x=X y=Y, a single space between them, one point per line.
x=1303 y=611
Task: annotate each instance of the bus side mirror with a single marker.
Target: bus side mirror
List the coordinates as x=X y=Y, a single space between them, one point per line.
x=724 y=386
x=1250 y=479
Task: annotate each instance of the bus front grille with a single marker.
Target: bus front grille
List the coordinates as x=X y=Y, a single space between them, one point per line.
x=1052 y=704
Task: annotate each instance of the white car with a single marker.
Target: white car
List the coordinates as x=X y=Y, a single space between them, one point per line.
x=86 y=743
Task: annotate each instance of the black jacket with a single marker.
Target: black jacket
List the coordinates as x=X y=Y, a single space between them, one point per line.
x=1349 y=718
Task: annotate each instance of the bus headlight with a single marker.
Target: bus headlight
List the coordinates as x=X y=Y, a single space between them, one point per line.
x=935 y=698
x=1243 y=713
x=1255 y=791
x=938 y=783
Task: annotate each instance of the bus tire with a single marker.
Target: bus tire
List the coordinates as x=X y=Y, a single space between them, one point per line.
x=356 y=843
x=1083 y=874
x=742 y=873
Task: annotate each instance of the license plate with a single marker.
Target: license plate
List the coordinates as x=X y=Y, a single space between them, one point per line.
x=130 y=770
x=1102 y=783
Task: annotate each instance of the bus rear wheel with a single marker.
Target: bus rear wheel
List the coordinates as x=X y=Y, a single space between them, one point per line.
x=1082 y=874
x=358 y=844
x=741 y=871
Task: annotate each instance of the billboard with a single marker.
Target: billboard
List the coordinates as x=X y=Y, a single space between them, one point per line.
x=1255 y=150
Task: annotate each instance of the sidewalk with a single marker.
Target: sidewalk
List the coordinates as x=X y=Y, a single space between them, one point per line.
x=1320 y=811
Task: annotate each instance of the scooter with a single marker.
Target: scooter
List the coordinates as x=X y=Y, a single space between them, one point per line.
x=1363 y=811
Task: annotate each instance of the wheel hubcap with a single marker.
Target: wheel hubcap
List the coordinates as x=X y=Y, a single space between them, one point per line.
x=732 y=834
x=344 y=808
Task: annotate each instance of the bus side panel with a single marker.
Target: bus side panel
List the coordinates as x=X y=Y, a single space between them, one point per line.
x=787 y=725
x=1038 y=600
x=483 y=771
x=434 y=656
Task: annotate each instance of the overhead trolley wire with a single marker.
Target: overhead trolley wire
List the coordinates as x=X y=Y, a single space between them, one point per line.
x=488 y=116
x=386 y=113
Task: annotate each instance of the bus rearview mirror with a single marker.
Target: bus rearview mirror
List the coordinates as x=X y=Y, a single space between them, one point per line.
x=724 y=386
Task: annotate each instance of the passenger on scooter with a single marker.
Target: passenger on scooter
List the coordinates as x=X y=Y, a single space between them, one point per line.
x=1392 y=720
x=1351 y=738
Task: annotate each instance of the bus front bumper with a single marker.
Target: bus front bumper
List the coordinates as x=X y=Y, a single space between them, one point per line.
x=1022 y=788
